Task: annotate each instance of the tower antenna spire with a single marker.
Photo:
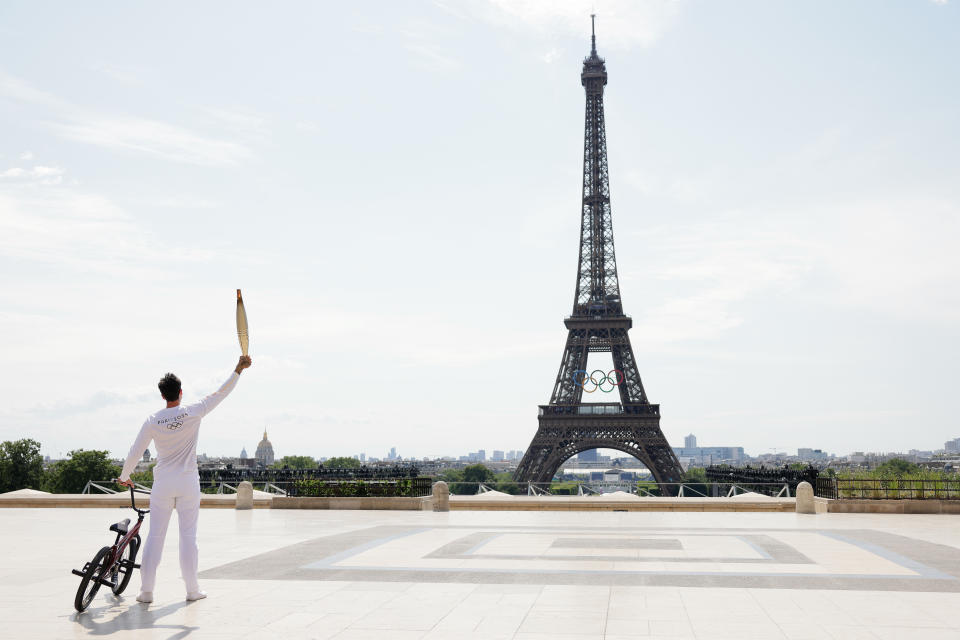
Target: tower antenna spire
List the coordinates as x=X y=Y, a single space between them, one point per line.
x=593 y=34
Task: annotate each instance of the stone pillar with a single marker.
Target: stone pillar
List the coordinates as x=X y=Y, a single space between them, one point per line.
x=441 y=496
x=244 y=495
x=805 y=500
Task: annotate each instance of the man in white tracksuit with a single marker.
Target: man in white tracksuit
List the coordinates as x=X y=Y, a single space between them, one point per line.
x=176 y=481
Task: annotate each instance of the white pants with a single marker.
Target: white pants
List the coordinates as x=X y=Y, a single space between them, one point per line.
x=180 y=492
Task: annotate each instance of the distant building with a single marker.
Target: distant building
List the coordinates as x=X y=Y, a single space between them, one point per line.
x=144 y=464
x=245 y=461
x=497 y=456
x=952 y=446
x=264 y=453
x=363 y=457
x=811 y=454
x=690 y=442
x=393 y=454
x=590 y=455
x=704 y=456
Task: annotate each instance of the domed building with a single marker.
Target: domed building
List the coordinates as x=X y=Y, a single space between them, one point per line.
x=264 y=455
x=245 y=462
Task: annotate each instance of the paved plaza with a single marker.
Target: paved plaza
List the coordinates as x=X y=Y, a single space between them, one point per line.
x=522 y=575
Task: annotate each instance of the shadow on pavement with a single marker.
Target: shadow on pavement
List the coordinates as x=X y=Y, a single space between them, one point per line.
x=136 y=616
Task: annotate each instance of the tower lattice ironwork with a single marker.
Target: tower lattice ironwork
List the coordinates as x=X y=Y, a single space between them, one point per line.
x=567 y=425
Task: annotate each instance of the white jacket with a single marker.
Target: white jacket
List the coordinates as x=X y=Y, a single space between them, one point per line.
x=175 y=431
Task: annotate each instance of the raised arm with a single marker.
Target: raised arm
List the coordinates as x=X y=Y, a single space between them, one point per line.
x=209 y=403
x=136 y=451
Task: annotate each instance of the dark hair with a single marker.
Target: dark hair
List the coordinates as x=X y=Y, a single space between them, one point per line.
x=169 y=387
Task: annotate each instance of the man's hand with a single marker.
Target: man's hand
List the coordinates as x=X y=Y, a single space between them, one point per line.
x=126 y=483
x=244 y=362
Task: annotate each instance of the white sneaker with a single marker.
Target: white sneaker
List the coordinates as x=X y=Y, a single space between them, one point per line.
x=145 y=596
x=196 y=595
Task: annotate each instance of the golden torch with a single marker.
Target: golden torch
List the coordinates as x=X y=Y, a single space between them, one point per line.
x=242 y=325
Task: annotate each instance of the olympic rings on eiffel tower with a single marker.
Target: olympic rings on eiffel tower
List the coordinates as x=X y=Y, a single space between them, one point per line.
x=614 y=378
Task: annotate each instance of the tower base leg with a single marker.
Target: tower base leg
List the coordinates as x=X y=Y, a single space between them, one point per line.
x=560 y=437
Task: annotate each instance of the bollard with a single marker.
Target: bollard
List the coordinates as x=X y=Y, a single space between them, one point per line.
x=805 y=501
x=441 y=496
x=244 y=495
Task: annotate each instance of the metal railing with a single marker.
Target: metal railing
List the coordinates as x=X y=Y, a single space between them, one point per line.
x=643 y=488
x=259 y=475
x=385 y=488
x=106 y=486
x=599 y=408
x=887 y=489
x=398 y=487
x=305 y=487
x=422 y=486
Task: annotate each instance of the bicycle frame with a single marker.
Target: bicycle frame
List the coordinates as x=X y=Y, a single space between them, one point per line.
x=116 y=552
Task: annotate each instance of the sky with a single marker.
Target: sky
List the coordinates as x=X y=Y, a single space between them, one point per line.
x=396 y=188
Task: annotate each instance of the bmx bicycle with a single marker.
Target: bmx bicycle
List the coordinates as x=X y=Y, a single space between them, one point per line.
x=112 y=566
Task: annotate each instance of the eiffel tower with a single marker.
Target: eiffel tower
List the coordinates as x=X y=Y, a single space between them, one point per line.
x=568 y=425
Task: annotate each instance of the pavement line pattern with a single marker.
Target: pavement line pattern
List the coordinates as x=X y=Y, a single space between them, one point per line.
x=872 y=560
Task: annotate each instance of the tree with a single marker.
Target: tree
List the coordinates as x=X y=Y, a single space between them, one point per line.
x=896 y=467
x=295 y=462
x=71 y=475
x=144 y=477
x=478 y=473
x=695 y=481
x=451 y=476
x=695 y=474
x=21 y=465
x=466 y=481
x=506 y=484
x=342 y=462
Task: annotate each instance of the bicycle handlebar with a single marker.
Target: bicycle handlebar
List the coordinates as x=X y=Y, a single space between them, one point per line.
x=133 y=503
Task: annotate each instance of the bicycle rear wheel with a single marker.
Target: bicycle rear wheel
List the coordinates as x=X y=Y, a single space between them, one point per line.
x=125 y=566
x=90 y=583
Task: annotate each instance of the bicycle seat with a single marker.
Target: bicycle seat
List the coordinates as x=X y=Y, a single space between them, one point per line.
x=121 y=527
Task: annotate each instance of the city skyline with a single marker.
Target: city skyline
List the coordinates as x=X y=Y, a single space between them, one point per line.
x=399 y=198
x=513 y=455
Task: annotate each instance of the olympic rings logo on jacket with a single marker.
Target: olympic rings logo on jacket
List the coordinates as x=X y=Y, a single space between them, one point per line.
x=592 y=382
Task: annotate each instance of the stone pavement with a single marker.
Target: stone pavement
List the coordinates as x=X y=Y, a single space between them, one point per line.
x=511 y=575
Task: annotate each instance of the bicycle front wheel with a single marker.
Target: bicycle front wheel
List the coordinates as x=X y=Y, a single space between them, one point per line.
x=90 y=583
